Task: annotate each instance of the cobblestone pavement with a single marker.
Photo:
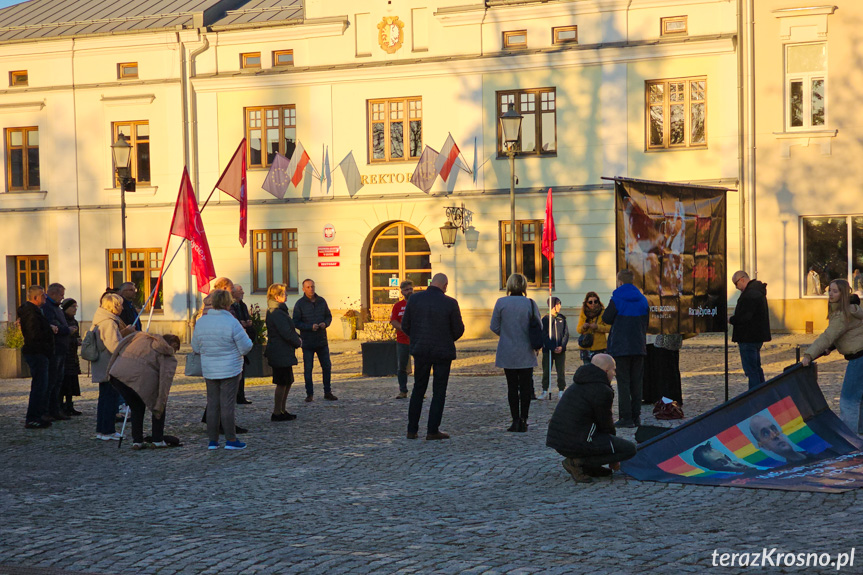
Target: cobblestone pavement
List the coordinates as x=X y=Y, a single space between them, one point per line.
x=340 y=490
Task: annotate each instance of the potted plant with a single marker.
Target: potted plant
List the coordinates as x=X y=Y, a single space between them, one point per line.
x=349 y=319
x=257 y=366
x=379 y=348
x=12 y=364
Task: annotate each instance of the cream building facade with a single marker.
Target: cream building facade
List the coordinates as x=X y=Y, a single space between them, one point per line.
x=642 y=89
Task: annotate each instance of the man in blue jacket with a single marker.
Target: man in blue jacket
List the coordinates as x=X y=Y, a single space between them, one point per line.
x=312 y=317
x=627 y=314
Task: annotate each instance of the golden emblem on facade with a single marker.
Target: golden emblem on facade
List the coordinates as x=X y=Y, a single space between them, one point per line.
x=391 y=34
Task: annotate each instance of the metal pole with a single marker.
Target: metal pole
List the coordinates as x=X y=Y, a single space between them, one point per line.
x=126 y=275
x=511 y=154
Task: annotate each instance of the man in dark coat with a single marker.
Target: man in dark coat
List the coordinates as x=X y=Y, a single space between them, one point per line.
x=57 y=364
x=627 y=314
x=37 y=351
x=751 y=322
x=241 y=312
x=312 y=317
x=581 y=427
x=129 y=315
x=433 y=322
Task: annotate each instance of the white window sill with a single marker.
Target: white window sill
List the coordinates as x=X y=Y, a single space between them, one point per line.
x=823 y=138
x=23 y=195
x=806 y=134
x=139 y=191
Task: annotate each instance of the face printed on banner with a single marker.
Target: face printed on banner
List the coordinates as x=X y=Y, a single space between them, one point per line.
x=708 y=457
x=770 y=437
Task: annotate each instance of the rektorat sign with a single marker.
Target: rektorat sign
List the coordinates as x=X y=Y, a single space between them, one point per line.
x=328 y=264
x=329 y=251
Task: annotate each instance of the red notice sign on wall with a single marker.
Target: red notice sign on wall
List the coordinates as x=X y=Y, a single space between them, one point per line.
x=329 y=251
x=328 y=264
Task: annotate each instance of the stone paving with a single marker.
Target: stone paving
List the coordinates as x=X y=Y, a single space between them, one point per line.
x=340 y=490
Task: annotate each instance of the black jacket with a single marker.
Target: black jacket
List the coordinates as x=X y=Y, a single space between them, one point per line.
x=751 y=319
x=306 y=314
x=241 y=312
x=129 y=315
x=56 y=316
x=433 y=322
x=38 y=337
x=282 y=338
x=582 y=419
x=559 y=333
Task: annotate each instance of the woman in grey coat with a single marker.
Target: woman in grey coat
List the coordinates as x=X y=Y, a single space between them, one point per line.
x=510 y=320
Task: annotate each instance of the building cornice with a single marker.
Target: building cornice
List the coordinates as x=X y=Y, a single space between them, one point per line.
x=296 y=29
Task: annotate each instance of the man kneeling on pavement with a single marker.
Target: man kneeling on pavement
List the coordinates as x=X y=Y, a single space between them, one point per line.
x=582 y=425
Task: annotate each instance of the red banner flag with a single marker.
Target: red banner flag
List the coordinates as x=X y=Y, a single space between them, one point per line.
x=187 y=224
x=549 y=235
x=233 y=183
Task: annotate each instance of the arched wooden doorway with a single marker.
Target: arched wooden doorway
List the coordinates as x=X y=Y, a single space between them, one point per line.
x=399 y=252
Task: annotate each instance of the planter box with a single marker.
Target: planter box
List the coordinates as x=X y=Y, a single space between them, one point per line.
x=258 y=365
x=379 y=358
x=12 y=364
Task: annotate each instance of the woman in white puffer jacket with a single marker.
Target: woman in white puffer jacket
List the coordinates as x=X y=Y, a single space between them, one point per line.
x=222 y=343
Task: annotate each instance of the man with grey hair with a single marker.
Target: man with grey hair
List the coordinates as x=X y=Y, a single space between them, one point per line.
x=128 y=291
x=57 y=364
x=37 y=351
x=751 y=321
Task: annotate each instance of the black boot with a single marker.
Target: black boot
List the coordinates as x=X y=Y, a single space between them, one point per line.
x=70 y=407
x=516 y=425
x=522 y=425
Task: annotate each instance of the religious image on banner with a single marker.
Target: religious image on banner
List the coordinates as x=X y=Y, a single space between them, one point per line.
x=672 y=237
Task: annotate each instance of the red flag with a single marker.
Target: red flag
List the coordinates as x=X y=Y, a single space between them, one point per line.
x=233 y=183
x=549 y=235
x=187 y=224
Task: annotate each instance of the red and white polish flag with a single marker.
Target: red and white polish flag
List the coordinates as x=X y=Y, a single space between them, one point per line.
x=299 y=160
x=447 y=158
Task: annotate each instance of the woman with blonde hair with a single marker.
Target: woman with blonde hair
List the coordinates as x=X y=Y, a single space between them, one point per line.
x=845 y=333
x=510 y=320
x=109 y=330
x=282 y=341
x=222 y=342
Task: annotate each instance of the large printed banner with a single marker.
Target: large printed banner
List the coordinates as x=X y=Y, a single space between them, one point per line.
x=672 y=236
x=780 y=435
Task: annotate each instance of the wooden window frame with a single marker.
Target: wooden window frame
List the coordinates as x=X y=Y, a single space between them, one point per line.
x=21 y=289
x=519 y=263
x=538 y=101
x=133 y=139
x=286 y=114
x=244 y=60
x=555 y=35
x=664 y=22
x=15 y=75
x=24 y=147
x=278 y=53
x=508 y=44
x=289 y=244
x=406 y=120
x=150 y=266
x=122 y=71
x=666 y=105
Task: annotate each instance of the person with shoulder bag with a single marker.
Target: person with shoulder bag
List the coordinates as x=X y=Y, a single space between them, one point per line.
x=282 y=344
x=107 y=330
x=591 y=329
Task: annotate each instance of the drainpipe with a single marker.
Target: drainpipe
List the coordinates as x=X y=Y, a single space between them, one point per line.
x=750 y=144
x=743 y=185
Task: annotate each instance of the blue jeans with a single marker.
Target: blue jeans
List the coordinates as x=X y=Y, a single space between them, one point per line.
x=851 y=396
x=326 y=367
x=38 y=404
x=106 y=408
x=403 y=359
x=750 y=357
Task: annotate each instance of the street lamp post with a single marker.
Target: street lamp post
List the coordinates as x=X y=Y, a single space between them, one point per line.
x=122 y=154
x=510 y=125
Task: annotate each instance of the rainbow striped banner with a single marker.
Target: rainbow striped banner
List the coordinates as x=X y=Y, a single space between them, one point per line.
x=677 y=466
x=737 y=443
x=788 y=417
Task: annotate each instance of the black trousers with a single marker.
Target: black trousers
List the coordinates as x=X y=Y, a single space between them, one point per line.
x=519 y=391
x=630 y=375
x=137 y=409
x=609 y=449
x=422 y=370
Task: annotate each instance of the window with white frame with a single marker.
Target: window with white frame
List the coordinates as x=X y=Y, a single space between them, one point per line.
x=806 y=86
x=832 y=249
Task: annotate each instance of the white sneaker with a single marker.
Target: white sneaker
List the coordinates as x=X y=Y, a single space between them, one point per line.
x=559 y=394
x=544 y=395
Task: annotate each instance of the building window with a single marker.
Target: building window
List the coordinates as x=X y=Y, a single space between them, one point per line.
x=144 y=266
x=270 y=130
x=274 y=259
x=138 y=136
x=539 y=124
x=676 y=113
x=389 y=121
x=283 y=58
x=22 y=159
x=19 y=78
x=29 y=271
x=250 y=60
x=672 y=25
x=806 y=85
x=832 y=249
x=127 y=70
x=564 y=35
x=529 y=260
x=515 y=39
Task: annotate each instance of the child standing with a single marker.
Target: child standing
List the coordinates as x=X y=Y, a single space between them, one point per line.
x=554 y=348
